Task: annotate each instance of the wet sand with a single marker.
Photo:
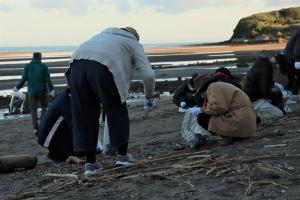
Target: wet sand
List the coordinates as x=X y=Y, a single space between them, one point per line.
x=193 y=49
x=266 y=166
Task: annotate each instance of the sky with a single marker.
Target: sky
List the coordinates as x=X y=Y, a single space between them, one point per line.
x=71 y=22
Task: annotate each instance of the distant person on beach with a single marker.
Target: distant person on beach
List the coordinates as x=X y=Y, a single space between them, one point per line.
x=227 y=112
x=292 y=51
x=260 y=88
x=101 y=70
x=39 y=84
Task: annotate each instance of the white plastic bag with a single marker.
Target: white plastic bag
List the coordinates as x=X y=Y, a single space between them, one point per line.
x=192 y=132
x=104 y=142
x=265 y=110
x=17 y=102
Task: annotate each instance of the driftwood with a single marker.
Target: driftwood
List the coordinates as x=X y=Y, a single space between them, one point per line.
x=275 y=145
x=154 y=161
x=19 y=196
x=10 y=163
x=72 y=176
x=74 y=159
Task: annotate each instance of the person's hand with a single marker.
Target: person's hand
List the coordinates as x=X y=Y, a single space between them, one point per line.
x=182 y=104
x=148 y=104
x=297 y=65
x=15 y=89
x=195 y=111
x=52 y=93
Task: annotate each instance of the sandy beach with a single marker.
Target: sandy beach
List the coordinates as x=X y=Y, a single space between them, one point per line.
x=216 y=48
x=266 y=166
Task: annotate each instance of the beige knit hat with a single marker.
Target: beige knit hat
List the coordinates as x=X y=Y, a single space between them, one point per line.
x=133 y=31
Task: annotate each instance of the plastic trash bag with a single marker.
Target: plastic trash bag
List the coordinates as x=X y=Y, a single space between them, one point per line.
x=104 y=142
x=265 y=110
x=16 y=105
x=192 y=132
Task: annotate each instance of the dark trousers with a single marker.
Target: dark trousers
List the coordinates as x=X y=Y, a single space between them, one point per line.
x=276 y=98
x=34 y=99
x=90 y=84
x=203 y=120
x=293 y=79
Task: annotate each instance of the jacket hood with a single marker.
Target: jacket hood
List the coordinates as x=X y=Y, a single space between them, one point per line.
x=35 y=61
x=119 y=31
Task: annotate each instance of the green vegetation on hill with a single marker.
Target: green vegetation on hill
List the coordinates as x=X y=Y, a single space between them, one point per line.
x=268 y=25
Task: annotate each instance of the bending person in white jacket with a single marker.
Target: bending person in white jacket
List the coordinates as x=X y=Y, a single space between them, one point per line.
x=101 y=70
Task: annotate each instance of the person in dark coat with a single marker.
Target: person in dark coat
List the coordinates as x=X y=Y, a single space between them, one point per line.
x=39 y=84
x=292 y=51
x=55 y=129
x=259 y=83
x=184 y=96
x=259 y=80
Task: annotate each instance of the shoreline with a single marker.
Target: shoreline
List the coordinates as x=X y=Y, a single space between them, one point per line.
x=181 y=49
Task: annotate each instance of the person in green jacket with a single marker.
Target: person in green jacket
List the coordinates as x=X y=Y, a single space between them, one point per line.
x=39 y=83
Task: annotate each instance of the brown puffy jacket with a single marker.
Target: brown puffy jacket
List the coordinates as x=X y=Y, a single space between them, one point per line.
x=231 y=111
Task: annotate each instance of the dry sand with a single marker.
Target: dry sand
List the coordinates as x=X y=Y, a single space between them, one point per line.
x=215 y=48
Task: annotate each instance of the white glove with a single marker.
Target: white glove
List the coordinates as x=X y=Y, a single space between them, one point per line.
x=15 y=89
x=279 y=86
x=195 y=111
x=297 y=65
x=285 y=94
x=148 y=104
x=52 y=93
x=182 y=104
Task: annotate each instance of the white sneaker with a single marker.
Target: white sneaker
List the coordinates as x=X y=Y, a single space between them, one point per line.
x=124 y=160
x=92 y=169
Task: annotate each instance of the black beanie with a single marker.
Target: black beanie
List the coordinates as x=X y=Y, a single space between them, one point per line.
x=224 y=70
x=37 y=56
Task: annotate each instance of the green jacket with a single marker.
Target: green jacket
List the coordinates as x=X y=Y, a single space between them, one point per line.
x=37 y=75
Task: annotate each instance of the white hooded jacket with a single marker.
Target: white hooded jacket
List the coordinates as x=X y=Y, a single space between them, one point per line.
x=121 y=52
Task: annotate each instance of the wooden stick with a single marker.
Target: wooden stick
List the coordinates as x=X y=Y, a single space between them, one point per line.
x=275 y=145
x=164 y=158
x=20 y=196
x=73 y=176
x=214 y=164
x=269 y=182
x=249 y=188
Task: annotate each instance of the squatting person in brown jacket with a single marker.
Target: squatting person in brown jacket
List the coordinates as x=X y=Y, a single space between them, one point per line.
x=228 y=111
